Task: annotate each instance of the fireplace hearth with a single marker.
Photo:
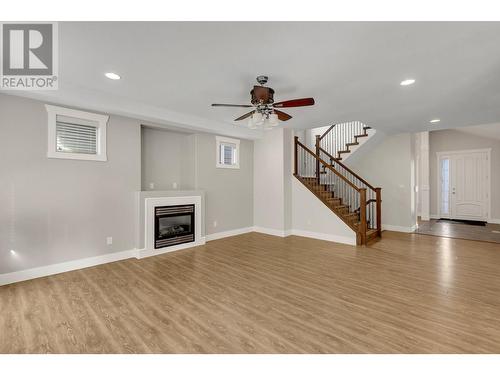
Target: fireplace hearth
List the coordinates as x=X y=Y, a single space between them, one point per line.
x=174 y=225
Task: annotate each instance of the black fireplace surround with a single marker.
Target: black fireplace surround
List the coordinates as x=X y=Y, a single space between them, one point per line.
x=174 y=225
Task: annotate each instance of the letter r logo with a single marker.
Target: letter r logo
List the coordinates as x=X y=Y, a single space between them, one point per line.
x=27 y=49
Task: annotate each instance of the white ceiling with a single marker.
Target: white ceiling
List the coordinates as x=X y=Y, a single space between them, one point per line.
x=491 y=131
x=172 y=71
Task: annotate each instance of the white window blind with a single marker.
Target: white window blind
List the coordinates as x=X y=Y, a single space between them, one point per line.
x=76 y=135
x=227 y=154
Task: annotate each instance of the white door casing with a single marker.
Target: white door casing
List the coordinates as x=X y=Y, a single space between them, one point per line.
x=466 y=194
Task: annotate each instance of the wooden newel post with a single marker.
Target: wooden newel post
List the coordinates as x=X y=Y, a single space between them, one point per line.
x=317 y=160
x=378 y=193
x=295 y=161
x=362 y=215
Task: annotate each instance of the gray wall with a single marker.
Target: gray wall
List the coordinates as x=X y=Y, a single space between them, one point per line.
x=391 y=166
x=55 y=210
x=454 y=140
x=164 y=156
x=229 y=192
x=189 y=160
x=269 y=181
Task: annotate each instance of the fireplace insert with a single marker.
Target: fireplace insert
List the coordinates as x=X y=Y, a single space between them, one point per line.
x=174 y=225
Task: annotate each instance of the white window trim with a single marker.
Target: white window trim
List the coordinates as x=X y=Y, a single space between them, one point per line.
x=101 y=120
x=218 y=141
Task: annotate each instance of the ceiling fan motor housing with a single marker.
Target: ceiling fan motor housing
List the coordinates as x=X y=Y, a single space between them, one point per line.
x=262 y=79
x=262 y=95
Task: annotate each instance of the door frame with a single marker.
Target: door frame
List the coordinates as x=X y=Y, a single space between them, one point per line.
x=439 y=154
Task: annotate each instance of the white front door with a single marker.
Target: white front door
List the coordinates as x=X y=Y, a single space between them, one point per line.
x=464 y=185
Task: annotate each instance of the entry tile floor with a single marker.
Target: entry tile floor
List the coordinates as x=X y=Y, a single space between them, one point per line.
x=489 y=233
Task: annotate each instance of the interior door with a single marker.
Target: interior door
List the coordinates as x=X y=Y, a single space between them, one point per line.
x=468 y=185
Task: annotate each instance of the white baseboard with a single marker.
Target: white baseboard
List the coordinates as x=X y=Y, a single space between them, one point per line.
x=145 y=253
x=228 y=233
x=324 y=236
x=397 y=228
x=52 y=269
x=304 y=233
x=434 y=216
x=272 y=232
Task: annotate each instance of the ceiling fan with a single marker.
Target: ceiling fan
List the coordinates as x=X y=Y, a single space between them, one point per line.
x=265 y=113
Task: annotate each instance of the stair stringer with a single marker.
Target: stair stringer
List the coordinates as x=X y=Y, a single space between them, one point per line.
x=312 y=218
x=364 y=149
x=363 y=141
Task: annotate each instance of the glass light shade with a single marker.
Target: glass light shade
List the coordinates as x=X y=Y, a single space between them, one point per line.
x=258 y=119
x=273 y=119
x=251 y=124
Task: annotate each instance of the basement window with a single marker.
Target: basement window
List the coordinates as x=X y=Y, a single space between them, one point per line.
x=74 y=134
x=228 y=152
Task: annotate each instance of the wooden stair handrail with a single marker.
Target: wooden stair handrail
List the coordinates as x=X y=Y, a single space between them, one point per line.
x=348 y=169
x=328 y=131
x=321 y=161
x=365 y=228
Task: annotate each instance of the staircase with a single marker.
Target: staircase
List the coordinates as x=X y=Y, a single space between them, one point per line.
x=347 y=195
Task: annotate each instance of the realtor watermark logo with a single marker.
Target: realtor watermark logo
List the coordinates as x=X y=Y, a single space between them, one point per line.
x=29 y=56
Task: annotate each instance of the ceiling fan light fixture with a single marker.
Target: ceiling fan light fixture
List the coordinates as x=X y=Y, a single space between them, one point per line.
x=258 y=119
x=265 y=111
x=273 y=119
x=251 y=124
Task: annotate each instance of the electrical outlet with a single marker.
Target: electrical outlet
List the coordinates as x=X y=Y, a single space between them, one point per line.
x=174 y=185
x=109 y=240
x=215 y=223
x=151 y=185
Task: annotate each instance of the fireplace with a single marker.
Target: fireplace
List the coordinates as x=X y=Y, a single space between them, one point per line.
x=174 y=225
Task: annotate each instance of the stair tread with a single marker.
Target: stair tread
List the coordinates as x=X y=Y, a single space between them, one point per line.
x=327 y=192
x=361 y=135
x=351 y=214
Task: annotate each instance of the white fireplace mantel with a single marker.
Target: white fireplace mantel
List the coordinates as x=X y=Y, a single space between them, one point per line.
x=149 y=204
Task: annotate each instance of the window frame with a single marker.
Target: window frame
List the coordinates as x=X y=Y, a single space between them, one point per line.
x=101 y=121
x=231 y=141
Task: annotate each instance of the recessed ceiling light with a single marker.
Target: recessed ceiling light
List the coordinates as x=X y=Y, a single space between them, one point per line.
x=113 y=76
x=407 y=82
x=433 y=121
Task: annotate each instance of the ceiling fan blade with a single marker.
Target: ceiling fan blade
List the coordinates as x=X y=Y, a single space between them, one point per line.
x=245 y=116
x=294 y=103
x=282 y=115
x=232 y=105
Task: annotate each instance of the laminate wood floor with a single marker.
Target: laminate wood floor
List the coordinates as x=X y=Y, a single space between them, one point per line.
x=256 y=293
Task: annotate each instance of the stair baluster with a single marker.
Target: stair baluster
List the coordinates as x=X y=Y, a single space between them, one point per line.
x=348 y=195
